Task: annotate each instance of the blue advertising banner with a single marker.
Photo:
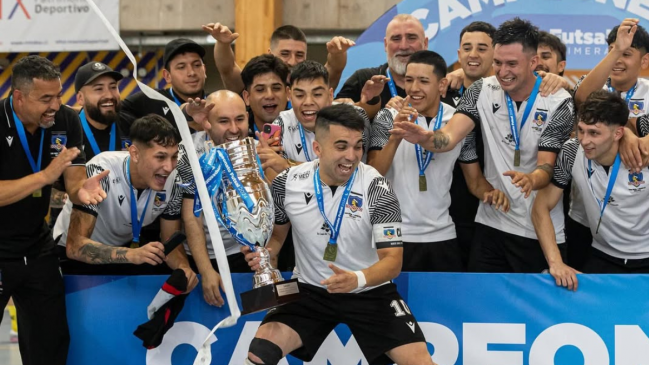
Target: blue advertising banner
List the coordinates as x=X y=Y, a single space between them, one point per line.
x=581 y=24
x=469 y=319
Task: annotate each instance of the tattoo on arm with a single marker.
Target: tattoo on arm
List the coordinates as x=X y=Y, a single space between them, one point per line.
x=102 y=254
x=440 y=140
x=547 y=168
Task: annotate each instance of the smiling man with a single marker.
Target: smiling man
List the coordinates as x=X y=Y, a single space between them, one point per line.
x=141 y=185
x=552 y=54
x=184 y=70
x=522 y=131
x=614 y=198
x=309 y=92
x=97 y=92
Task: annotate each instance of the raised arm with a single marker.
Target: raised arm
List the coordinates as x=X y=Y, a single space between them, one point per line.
x=224 y=56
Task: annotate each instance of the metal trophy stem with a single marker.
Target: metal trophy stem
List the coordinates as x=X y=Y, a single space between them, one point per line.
x=245 y=188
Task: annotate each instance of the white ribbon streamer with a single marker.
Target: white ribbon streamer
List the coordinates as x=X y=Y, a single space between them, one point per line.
x=204 y=356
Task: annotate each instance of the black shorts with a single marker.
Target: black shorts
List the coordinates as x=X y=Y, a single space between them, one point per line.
x=599 y=262
x=442 y=256
x=379 y=319
x=501 y=252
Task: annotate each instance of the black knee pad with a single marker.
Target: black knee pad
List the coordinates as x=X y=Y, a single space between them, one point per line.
x=266 y=351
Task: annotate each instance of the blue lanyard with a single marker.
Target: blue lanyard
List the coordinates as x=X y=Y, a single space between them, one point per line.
x=36 y=167
x=612 y=176
x=254 y=126
x=629 y=94
x=171 y=90
x=391 y=84
x=423 y=163
x=335 y=228
x=461 y=91
x=304 y=146
x=289 y=106
x=528 y=109
x=135 y=223
x=91 y=137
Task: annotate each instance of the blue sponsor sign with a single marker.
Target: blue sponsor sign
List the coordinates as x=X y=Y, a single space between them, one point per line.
x=581 y=24
x=468 y=319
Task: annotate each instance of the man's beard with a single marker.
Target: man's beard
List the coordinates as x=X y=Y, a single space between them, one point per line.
x=95 y=113
x=398 y=66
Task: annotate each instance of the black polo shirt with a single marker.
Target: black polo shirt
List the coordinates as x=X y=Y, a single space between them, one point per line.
x=354 y=85
x=139 y=105
x=102 y=137
x=23 y=231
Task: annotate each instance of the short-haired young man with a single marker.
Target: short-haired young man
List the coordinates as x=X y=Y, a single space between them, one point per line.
x=142 y=185
x=522 y=131
x=287 y=42
x=421 y=179
x=614 y=198
x=345 y=267
x=552 y=54
x=265 y=90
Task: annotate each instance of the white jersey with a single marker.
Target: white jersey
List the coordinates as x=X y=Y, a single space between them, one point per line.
x=624 y=229
x=638 y=103
x=425 y=213
x=292 y=141
x=549 y=125
x=113 y=225
x=202 y=142
x=371 y=212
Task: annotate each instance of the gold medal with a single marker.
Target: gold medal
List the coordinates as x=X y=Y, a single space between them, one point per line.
x=423 y=185
x=517 y=157
x=37 y=193
x=330 y=252
x=135 y=245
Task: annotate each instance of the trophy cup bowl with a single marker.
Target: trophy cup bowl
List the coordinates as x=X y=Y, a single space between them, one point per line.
x=256 y=226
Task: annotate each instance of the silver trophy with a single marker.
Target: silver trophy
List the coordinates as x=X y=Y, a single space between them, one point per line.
x=255 y=226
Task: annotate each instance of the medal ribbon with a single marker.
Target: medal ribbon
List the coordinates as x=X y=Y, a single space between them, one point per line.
x=335 y=227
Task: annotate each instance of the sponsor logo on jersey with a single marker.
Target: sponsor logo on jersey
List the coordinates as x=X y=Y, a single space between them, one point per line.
x=302 y=176
x=298 y=147
x=165 y=109
x=509 y=139
x=324 y=230
x=636 y=107
x=120 y=199
x=10 y=140
x=307 y=197
x=495 y=107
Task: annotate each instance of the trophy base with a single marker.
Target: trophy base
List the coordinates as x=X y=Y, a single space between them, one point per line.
x=269 y=296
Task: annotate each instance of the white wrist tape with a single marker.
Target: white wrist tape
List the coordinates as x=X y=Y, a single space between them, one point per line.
x=361 y=279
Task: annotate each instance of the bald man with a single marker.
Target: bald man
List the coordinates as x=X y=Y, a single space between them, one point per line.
x=224 y=118
x=404 y=36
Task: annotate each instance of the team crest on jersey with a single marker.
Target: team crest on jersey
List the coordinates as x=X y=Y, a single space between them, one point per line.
x=355 y=204
x=390 y=233
x=58 y=141
x=636 y=107
x=159 y=199
x=540 y=116
x=126 y=143
x=636 y=179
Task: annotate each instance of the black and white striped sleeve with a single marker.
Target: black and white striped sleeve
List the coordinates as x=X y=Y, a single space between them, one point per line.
x=469 y=152
x=93 y=169
x=565 y=161
x=279 y=196
x=469 y=102
x=280 y=122
x=574 y=89
x=367 y=127
x=381 y=127
x=642 y=126
x=172 y=210
x=383 y=204
x=185 y=173
x=559 y=126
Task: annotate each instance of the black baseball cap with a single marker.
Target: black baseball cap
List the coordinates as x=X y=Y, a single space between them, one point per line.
x=92 y=70
x=181 y=45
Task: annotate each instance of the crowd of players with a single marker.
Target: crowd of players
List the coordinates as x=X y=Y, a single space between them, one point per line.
x=498 y=166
